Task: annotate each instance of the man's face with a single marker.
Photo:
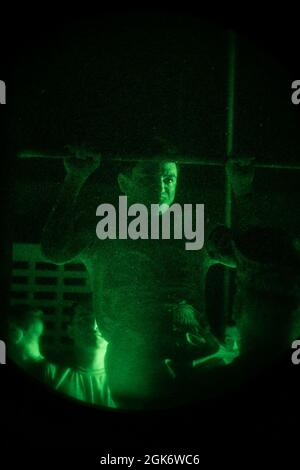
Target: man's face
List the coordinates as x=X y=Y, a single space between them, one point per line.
x=84 y=330
x=150 y=183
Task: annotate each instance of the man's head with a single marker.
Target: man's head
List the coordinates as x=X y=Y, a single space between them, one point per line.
x=25 y=325
x=150 y=183
x=83 y=328
x=152 y=180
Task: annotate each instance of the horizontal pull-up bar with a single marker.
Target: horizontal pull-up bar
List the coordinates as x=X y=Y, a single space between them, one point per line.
x=188 y=160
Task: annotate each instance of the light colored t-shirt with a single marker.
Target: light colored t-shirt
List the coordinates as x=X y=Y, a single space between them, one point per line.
x=86 y=385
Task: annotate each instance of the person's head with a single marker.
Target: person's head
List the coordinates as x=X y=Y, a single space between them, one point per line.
x=25 y=325
x=153 y=179
x=83 y=328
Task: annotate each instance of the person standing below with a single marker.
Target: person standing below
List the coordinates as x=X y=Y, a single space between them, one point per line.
x=84 y=378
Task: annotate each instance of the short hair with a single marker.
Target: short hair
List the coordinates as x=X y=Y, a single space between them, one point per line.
x=86 y=301
x=157 y=147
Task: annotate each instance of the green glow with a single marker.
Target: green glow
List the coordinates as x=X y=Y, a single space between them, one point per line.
x=148 y=334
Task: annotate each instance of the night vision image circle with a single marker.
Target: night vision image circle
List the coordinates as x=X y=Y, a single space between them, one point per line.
x=155 y=249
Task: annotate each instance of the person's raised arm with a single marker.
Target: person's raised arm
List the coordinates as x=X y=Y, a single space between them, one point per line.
x=220 y=240
x=240 y=172
x=63 y=238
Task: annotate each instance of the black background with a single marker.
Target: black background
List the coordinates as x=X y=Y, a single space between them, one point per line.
x=263 y=412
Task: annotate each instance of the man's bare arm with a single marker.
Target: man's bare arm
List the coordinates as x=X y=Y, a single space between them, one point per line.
x=221 y=239
x=241 y=175
x=63 y=236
